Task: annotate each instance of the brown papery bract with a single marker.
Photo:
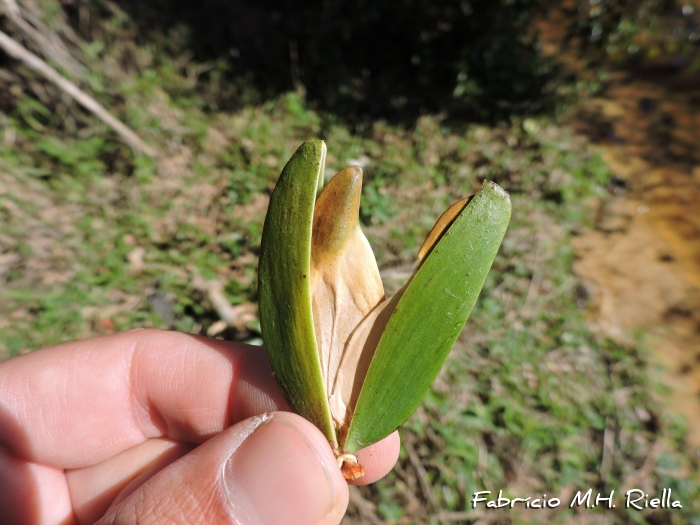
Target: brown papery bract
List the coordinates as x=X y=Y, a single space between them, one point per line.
x=345 y=281
x=349 y=309
x=444 y=222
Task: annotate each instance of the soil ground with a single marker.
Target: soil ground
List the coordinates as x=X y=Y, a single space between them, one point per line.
x=642 y=260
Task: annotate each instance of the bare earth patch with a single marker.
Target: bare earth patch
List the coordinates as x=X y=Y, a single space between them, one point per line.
x=642 y=260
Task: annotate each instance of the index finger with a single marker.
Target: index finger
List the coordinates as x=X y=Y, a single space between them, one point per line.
x=80 y=403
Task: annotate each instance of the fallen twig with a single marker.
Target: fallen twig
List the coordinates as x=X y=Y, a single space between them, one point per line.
x=47 y=40
x=238 y=316
x=422 y=473
x=16 y=50
x=364 y=507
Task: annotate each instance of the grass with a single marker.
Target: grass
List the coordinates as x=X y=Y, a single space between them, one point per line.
x=530 y=396
x=94 y=239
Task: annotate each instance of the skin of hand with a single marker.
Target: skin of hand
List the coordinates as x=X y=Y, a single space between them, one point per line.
x=155 y=427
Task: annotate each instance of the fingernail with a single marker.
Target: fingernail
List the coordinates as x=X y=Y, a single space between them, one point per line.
x=278 y=475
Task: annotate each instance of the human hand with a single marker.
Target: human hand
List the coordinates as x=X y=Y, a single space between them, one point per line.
x=136 y=428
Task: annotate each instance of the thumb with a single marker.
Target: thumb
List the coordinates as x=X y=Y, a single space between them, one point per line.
x=271 y=469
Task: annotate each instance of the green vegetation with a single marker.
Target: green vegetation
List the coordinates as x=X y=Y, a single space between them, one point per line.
x=657 y=35
x=94 y=239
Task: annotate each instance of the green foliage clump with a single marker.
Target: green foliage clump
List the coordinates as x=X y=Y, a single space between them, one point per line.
x=655 y=34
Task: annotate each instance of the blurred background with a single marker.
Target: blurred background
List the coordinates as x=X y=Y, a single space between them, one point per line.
x=140 y=141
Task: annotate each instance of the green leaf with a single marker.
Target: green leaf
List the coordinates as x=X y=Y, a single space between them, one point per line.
x=428 y=318
x=285 y=300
